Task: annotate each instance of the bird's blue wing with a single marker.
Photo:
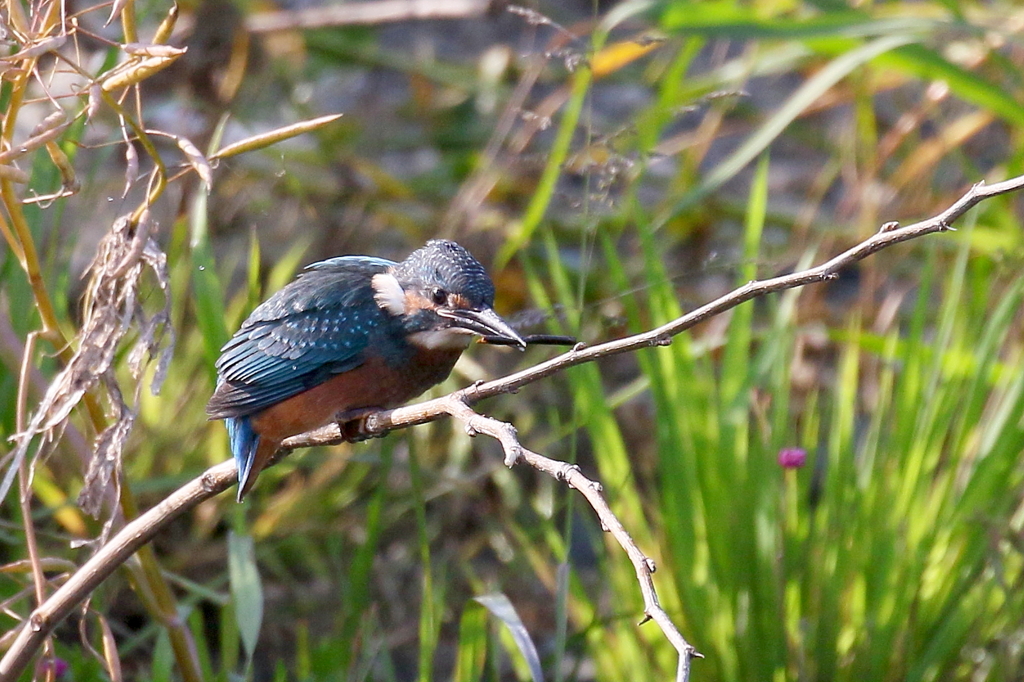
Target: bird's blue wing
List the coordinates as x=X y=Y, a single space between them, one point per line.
x=352 y=263
x=341 y=281
x=314 y=328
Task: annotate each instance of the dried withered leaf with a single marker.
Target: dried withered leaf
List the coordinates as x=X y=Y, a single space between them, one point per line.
x=152 y=330
x=111 y=310
x=106 y=457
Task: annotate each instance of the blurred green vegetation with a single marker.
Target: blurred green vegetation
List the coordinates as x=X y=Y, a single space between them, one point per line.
x=666 y=153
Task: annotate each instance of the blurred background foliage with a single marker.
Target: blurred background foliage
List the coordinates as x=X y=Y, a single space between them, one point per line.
x=829 y=480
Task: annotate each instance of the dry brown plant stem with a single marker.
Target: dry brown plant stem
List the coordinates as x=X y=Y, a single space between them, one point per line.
x=138 y=532
x=25 y=490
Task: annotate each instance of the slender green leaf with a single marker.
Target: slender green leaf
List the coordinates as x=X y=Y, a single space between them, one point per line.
x=724 y=18
x=246 y=589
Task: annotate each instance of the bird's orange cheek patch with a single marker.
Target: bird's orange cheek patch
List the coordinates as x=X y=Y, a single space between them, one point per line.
x=459 y=302
x=415 y=301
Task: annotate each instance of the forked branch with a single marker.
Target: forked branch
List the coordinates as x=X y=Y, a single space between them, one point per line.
x=505 y=434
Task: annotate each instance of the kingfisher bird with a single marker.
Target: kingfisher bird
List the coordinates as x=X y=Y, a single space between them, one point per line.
x=349 y=336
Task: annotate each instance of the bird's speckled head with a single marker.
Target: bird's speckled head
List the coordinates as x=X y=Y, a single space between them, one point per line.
x=442 y=294
x=446 y=265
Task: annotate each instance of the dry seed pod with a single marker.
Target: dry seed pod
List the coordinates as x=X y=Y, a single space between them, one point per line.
x=136 y=72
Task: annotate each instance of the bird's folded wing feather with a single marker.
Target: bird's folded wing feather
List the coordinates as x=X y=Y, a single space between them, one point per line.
x=314 y=328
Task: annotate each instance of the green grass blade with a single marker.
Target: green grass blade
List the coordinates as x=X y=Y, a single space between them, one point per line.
x=501 y=608
x=815 y=86
x=471 y=655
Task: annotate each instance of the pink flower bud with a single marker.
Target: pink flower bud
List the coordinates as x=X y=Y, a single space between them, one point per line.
x=58 y=665
x=792 y=458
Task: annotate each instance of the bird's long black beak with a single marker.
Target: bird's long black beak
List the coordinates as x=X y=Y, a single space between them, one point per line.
x=484 y=322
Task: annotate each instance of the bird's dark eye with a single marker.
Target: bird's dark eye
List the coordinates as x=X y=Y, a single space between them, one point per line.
x=439 y=296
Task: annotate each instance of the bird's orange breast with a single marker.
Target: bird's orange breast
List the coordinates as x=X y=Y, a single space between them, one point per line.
x=374 y=384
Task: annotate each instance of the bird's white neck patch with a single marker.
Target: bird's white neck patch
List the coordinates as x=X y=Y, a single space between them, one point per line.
x=388 y=293
x=442 y=339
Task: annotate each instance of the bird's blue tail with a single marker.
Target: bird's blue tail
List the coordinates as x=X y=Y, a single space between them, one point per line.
x=244 y=441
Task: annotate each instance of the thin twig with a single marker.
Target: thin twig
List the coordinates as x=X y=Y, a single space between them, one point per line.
x=222 y=476
x=25 y=489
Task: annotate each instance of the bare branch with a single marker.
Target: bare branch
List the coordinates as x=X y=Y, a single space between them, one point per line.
x=505 y=434
x=219 y=478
